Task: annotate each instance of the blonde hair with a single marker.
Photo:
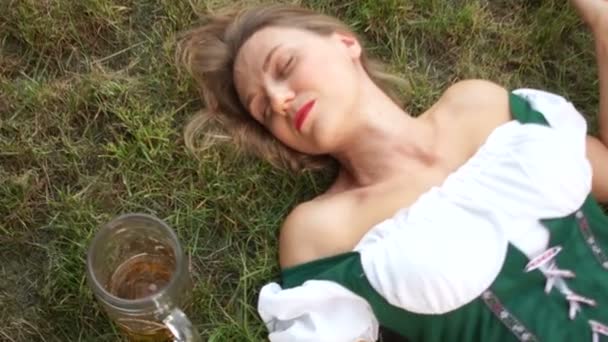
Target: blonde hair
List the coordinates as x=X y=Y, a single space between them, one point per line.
x=208 y=53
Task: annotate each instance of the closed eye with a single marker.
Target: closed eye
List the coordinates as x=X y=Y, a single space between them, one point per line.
x=286 y=67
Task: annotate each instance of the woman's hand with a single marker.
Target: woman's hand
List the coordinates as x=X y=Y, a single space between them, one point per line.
x=594 y=13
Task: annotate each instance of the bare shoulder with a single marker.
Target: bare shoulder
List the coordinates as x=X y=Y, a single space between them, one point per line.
x=478 y=105
x=477 y=91
x=297 y=237
x=311 y=231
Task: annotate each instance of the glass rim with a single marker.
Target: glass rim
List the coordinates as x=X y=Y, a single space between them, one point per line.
x=144 y=302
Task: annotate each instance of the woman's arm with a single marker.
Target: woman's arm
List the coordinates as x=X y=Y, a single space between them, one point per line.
x=597 y=153
x=601 y=46
x=598 y=150
x=595 y=14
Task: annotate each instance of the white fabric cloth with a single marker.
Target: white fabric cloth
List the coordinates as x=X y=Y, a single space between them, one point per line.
x=316 y=311
x=531 y=237
x=449 y=246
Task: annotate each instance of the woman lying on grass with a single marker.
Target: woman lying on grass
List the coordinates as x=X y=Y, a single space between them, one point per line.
x=475 y=221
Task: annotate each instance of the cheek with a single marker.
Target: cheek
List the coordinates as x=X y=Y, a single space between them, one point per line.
x=332 y=76
x=305 y=77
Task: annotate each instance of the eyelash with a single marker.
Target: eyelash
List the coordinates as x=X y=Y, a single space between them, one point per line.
x=286 y=67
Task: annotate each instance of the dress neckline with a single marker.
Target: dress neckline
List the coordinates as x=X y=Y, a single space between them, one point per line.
x=518 y=108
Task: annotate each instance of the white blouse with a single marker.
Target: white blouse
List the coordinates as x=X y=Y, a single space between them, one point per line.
x=423 y=262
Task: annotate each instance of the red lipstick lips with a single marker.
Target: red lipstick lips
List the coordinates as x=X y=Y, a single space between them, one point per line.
x=303 y=113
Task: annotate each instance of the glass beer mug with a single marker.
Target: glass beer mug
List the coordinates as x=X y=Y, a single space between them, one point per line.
x=139 y=273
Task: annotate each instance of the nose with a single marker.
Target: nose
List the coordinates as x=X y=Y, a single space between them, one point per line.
x=280 y=98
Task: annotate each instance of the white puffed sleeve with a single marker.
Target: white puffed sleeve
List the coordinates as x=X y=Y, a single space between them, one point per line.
x=316 y=311
x=531 y=170
x=559 y=112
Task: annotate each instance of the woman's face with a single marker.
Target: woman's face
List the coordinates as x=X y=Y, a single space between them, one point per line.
x=300 y=85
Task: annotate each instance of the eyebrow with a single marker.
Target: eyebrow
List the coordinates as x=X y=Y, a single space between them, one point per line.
x=264 y=68
x=269 y=56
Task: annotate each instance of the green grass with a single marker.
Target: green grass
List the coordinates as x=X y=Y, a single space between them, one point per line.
x=92 y=110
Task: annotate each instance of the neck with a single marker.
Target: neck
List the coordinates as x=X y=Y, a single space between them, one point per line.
x=383 y=141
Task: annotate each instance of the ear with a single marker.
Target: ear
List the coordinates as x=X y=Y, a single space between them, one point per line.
x=350 y=42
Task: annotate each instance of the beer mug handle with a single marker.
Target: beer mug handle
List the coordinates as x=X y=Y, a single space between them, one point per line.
x=181 y=327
